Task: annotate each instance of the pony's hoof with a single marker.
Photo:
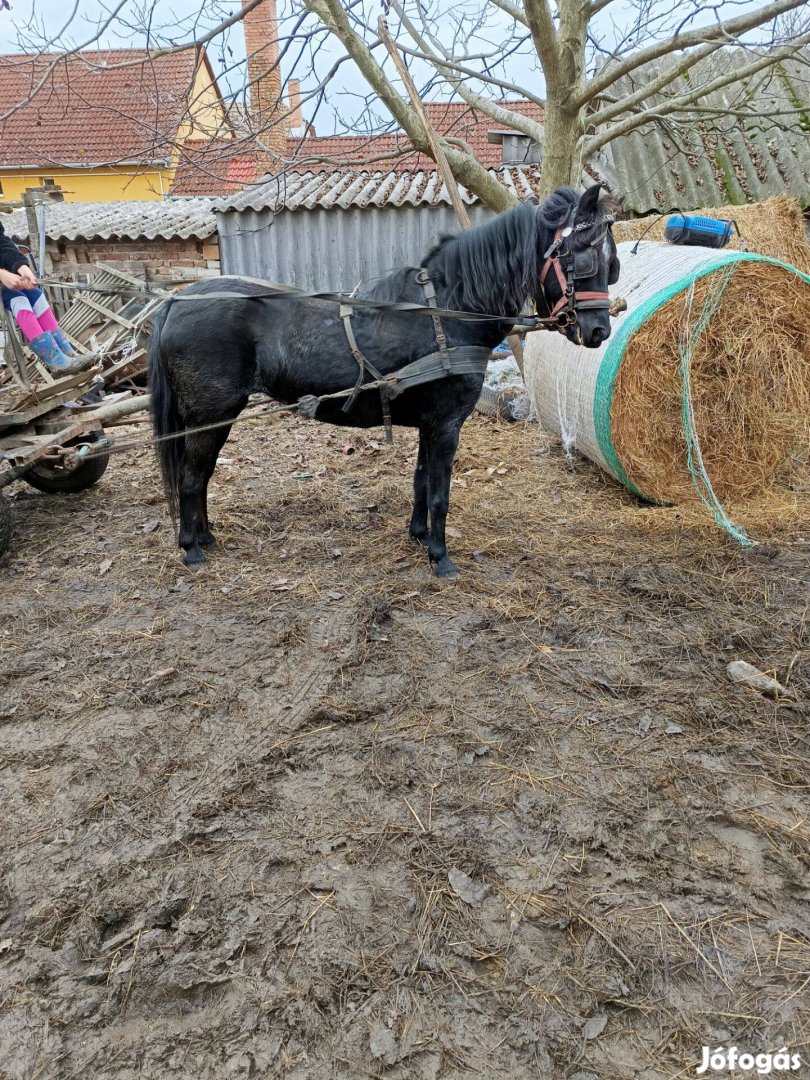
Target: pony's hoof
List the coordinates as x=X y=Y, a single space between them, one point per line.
x=445 y=567
x=194 y=557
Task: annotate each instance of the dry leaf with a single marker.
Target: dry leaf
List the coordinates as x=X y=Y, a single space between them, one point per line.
x=105 y=566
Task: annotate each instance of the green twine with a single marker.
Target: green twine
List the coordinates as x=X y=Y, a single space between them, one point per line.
x=689 y=338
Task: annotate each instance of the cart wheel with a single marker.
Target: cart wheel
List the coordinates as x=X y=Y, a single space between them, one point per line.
x=53 y=480
x=5 y=525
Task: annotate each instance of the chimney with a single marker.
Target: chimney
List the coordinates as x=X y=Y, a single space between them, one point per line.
x=264 y=75
x=294 y=120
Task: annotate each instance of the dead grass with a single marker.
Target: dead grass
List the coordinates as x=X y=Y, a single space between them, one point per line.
x=750 y=384
x=774 y=227
x=235 y=797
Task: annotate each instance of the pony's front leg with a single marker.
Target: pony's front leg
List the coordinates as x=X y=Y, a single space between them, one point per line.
x=441 y=455
x=418 y=527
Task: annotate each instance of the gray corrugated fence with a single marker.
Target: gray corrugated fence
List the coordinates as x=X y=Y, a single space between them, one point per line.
x=332 y=249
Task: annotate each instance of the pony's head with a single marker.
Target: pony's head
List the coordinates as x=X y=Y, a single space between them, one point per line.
x=578 y=265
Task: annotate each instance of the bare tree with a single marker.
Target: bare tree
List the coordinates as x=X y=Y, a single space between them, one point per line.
x=596 y=70
x=579 y=55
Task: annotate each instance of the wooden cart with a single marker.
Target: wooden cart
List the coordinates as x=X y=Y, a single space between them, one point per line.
x=51 y=431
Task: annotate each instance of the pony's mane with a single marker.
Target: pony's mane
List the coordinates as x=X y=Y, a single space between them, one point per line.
x=493 y=267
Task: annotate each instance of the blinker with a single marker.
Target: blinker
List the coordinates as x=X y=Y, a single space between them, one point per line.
x=585 y=263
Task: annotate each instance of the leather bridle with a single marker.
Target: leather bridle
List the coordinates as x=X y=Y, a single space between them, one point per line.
x=569 y=267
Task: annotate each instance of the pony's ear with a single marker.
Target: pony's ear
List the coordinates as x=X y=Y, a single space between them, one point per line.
x=589 y=201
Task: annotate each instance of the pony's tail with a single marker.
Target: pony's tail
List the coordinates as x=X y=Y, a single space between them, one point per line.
x=166 y=416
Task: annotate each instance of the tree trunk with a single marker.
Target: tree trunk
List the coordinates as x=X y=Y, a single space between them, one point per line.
x=562 y=165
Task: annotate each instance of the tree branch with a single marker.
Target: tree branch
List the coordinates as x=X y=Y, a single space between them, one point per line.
x=511 y=9
x=680 y=103
x=453 y=65
x=544 y=36
x=647 y=90
x=466 y=170
x=531 y=128
x=724 y=31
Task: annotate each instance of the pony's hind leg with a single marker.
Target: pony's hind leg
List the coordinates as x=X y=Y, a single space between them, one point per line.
x=204 y=535
x=418 y=527
x=199 y=461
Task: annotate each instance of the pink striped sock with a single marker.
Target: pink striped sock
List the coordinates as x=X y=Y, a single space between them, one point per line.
x=44 y=314
x=27 y=321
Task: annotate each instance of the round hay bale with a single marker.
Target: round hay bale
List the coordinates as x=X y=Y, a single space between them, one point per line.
x=734 y=328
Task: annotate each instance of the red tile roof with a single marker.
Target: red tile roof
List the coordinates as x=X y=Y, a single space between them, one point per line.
x=90 y=109
x=453 y=119
x=214 y=167
x=223 y=166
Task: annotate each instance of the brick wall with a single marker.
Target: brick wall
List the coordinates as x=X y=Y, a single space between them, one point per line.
x=146 y=259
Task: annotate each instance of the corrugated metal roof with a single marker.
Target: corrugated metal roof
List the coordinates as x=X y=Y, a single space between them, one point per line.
x=345 y=188
x=726 y=157
x=125 y=220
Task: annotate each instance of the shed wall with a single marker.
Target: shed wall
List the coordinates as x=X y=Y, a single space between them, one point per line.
x=332 y=249
x=144 y=258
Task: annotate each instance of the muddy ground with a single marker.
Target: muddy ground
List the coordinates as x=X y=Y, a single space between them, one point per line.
x=313 y=813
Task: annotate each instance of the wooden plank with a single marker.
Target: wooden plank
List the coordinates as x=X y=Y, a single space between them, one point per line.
x=28 y=454
x=40 y=408
x=105 y=311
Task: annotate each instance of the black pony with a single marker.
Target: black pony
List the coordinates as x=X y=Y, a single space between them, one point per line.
x=208 y=356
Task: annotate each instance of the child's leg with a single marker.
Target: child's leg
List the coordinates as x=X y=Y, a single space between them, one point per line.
x=20 y=307
x=47 y=320
x=43 y=311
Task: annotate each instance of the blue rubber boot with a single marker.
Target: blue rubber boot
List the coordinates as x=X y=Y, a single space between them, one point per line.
x=60 y=337
x=46 y=349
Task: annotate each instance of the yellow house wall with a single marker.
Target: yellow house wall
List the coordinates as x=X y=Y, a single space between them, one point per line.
x=105 y=184
x=206 y=115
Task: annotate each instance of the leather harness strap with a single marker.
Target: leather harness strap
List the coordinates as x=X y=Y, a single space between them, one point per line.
x=571 y=298
x=423 y=278
x=364 y=365
x=423 y=370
